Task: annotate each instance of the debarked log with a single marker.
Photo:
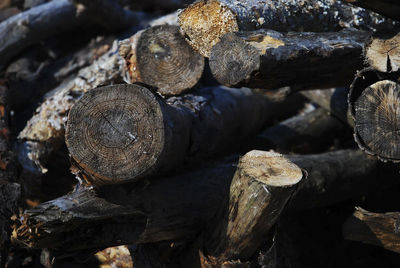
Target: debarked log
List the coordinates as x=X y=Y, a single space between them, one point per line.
x=122 y=133
x=180 y=206
x=374 y=102
x=267 y=59
x=379 y=229
x=205 y=22
x=160 y=57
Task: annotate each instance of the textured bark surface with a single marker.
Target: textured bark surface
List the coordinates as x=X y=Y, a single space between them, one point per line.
x=204 y=22
x=31 y=26
x=260 y=189
x=304 y=133
x=180 y=206
x=161 y=134
x=387 y=8
x=160 y=57
x=383 y=54
x=380 y=229
x=269 y=60
x=333 y=100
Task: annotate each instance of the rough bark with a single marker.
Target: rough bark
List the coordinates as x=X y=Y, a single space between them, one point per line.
x=380 y=229
x=32 y=26
x=373 y=103
x=382 y=53
x=160 y=57
x=260 y=189
x=268 y=59
x=180 y=206
x=309 y=132
x=387 y=8
x=223 y=16
x=333 y=100
x=122 y=133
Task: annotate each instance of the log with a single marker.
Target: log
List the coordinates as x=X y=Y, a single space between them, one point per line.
x=258 y=194
x=333 y=100
x=31 y=26
x=223 y=16
x=160 y=57
x=122 y=133
x=379 y=229
x=178 y=207
x=382 y=53
x=373 y=103
x=309 y=132
x=268 y=59
x=387 y=8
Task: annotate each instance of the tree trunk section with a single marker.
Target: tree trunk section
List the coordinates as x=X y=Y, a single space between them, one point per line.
x=270 y=60
x=223 y=16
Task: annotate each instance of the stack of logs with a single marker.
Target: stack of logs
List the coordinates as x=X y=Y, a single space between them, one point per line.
x=195 y=136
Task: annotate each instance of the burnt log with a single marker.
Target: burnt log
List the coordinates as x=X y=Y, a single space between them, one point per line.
x=268 y=59
x=160 y=57
x=223 y=16
x=122 y=133
x=387 y=8
x=178 y=207
x=379 y=229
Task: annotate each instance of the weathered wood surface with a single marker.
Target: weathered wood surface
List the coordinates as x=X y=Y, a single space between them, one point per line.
x=179 y=206
x=380 y=229
x=223 y=16
x=262 y=185
x=309 y=132
x=383 y=54
x=333 y=100
x=31 y=26
x=122 y=133
x=160 y=57
x=387 y=8
x=267 y=59
x=373 y=103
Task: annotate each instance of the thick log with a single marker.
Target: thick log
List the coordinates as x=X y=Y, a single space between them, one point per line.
x=380 y=229
x=373 y=103
x=382 y=54
x=268 y=59
x=309 y=132
x=122 y=133
x=32 y=26
x=160 y=57
x=223 y=16
x=387 y=8
x=178 y=207
x=333 y=100
x=260 y=189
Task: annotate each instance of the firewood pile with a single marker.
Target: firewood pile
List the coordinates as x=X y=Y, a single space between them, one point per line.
x=214 y=133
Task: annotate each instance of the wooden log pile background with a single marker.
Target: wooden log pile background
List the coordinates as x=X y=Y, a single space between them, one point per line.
x=204 y=134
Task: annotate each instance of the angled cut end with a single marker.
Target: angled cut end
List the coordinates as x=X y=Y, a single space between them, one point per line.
x=204 y=22
x=384 y=54
x=116 y=133
x=271 y=168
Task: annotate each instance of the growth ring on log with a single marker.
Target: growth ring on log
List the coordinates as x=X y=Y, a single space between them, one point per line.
x=384 y=54
x=377 y=116
x=111 y=132
x=166 y=61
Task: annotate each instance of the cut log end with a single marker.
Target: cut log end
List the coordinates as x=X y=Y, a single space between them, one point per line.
x=384 y=54
x=166 y=61
x=204 y=22
x=278 y=172
x=377 y=128
x=232 y=60
x=111 y=134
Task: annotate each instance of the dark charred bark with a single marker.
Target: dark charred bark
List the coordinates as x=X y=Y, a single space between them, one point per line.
x=387 y=8
x=224 y=16
x=270 y=60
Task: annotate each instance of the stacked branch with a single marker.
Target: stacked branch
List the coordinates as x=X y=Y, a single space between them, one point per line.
x=268 y=59
x=206 y=21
